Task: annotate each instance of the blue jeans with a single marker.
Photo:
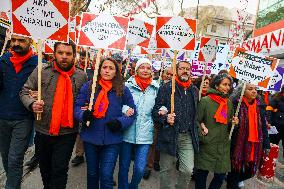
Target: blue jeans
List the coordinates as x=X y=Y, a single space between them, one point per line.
x=101 y=161
x=14 y=140
x=141 y=154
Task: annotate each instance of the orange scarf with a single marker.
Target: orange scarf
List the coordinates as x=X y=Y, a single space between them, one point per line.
x=184 y=84
x=221 y=115
x=62 y=108
x=143 y=83
x=18 y=60
x=102 y=102
x=253 y=130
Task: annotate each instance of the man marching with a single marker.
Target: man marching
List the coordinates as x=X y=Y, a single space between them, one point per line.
x=56 y=131
x=16 y=122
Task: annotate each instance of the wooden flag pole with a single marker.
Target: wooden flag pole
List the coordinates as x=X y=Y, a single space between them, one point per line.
x=173 y=82
x=127 y=64
x=203 y=79
x=86 y=59
x=162 y=67
x=39 y=47
x=238 y=109
x=5 y=43
x=95 y=78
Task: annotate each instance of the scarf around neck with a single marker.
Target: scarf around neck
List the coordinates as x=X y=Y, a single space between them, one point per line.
x=62 y=108
x=143 y=83
x=19 y=60
x=221 y=115
x=183 y=84
x=102 y=102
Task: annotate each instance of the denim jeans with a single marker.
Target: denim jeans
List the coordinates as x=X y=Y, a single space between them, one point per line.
x=101 y=161
x=201 y=178
x=140 y=162
x=54 y=153
x=186 y=163
x=14 y=140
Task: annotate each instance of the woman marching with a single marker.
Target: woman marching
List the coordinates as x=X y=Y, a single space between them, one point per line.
x=215 y=114
x=103 y=137
x=249 y=139
x=139 y=136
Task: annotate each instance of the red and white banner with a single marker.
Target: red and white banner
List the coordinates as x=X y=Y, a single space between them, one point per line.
x=72 y=29
x=41 y=19
x=49 y=46
x=208 y=48
x=139 y=33
x=103 y=31
x=175 y=33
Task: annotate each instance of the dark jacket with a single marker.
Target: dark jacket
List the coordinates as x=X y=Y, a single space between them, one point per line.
x=168 y=135
x=48 y=84
x=277 y=116
x=10 y=85
x=214 y=154
x=98 y=133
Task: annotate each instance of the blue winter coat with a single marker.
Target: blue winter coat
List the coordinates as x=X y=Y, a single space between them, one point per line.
x=142 y=130
x=10 y=85
x=98 y=133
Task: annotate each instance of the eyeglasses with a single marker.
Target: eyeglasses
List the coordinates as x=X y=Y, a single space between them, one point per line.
x=184 y=69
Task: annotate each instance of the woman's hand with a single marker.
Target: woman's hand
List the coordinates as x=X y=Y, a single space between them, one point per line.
x=129 y=112
x=235 y=120
x=204 y=130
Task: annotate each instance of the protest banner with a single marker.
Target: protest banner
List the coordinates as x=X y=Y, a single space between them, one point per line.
x=221 y=62
x=72 y=29
x=5 y=21
x=252 y=67
x=198 y=68
x=49 y=46
x=152 y=48
x=276 y=80
x=175 y=33
x=139 y=33
x=207 y=49
x=41 y=19
x=103 y=31
x=194 y=54
x=170 y=54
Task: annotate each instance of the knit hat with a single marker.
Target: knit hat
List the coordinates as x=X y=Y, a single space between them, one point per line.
x=142 y=61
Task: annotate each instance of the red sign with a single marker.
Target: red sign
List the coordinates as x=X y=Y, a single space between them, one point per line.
x=41 y=19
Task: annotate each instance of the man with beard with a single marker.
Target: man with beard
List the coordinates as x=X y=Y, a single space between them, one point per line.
x=57 y=130
x=178 y=131
x=16 y=122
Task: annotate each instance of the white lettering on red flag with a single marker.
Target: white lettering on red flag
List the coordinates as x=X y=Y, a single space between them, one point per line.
x=41 y=19
x=103 y=31
x=176 y=33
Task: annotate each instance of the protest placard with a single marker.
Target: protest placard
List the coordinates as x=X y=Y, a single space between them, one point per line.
x=176 y=33
x=276 y=80
x=49 y=46
x=72 y=29
x=194 y=54
x=221 y=62
x=139 y=33
x=207 y=49
x=103 y=31
x=41 y=19
x=198 y=68
x=170 y=54
x=5 y=20
x=252 y=67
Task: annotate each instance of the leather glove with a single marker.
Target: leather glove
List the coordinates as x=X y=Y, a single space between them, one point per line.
x=87 y=116
x=114 y=125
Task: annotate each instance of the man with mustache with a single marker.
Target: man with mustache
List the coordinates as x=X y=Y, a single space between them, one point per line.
x=178 y=131
x=16 y=122
x=57 y=130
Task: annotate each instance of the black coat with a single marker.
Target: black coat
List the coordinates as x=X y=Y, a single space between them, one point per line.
x=167 y=135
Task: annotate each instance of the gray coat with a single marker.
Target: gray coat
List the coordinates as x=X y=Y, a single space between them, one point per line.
x=168 y=135
x=48 y=84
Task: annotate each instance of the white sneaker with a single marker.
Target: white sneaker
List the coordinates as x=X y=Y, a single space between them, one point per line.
x=241 y=184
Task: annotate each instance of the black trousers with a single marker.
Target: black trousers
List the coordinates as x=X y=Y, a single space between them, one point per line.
x=54 y=154
x=234 y=177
